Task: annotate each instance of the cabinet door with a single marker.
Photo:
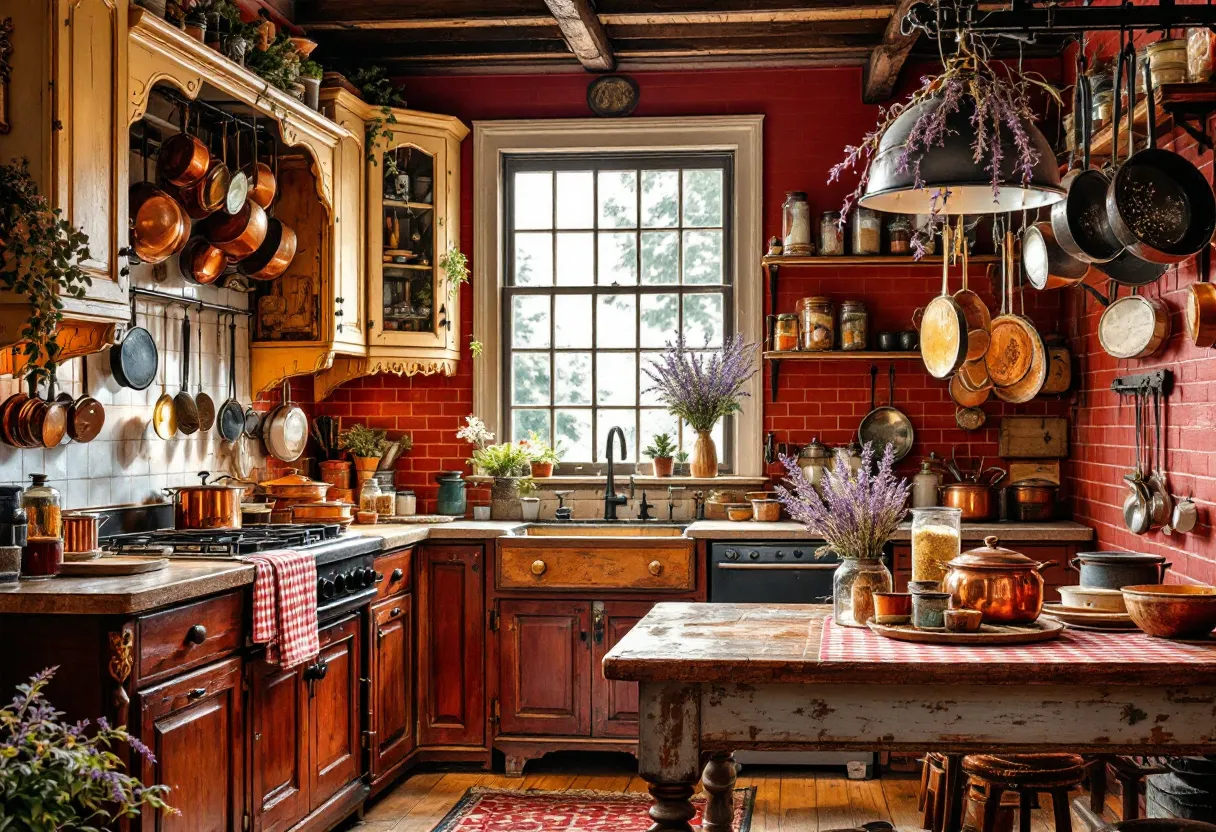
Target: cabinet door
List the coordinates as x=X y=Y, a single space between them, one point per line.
x=451 y=646
x=279 y=755
x=349 y=238
x=194 y=726
x=334 y=711
x=545 y=667
x=392 y=688
x=614 y=704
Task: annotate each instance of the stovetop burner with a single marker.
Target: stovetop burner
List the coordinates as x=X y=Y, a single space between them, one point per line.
x=223 y=543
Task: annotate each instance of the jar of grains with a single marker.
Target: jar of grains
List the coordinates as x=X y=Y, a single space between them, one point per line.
x=936 y=540
x=796 y=224
x=818 y=328
x=867 y=232
x=854 y=325
x=899 y=235
x=42 y=506
x=831 y=235
x=369 y=495
x=785 y=332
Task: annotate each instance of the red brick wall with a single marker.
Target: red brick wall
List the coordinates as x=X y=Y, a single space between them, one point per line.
x=810 y=114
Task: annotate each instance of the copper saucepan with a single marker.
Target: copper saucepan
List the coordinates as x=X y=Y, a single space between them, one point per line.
x=202 y=262
x=274 y=255
x=206 y=506
x=183 y=159
x=158 y=223
x=238 y=235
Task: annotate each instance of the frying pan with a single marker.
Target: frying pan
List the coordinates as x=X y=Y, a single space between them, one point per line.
x=231 y=417
x=886 y=425
x=1201 y=305
x=1032 y=382
x=52 y=424
x=203 y=403
x=183 y=403
x=1011 y=349
x=976 y=313
x=164 y=418
x=963 y=397
x=286 y=429
x=1159 y=205
x=943 y=329
x=1133 y=326
x=86 y=415
x=134 y=361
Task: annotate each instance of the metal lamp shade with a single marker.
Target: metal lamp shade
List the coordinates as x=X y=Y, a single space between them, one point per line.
x=952 y=166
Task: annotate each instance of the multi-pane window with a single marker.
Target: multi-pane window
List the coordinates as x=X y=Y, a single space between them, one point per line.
x=607 y=258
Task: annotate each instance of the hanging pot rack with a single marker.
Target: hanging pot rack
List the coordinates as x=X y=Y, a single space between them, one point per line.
x=1021 y=20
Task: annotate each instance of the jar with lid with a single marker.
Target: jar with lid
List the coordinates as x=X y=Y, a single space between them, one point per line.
x=43 y=510
x=386 y=502
x=369 y=495
x=831 y=235
x=407 y=503
x=926 y=483
x=854 y=325
x=796 y=224
x=785 y=332
x=867 y=232
x=815 y=459
x=899 y=235
x=816 y=324
x=937 y=535
x=851 y=454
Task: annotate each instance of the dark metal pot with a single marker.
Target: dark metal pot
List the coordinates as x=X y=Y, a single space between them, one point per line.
x=1115 y=570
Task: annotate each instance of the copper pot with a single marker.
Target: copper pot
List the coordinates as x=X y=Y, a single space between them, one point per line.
x=238 y=235
x=206 y=506
x=1002 y=584
x=274 y=255
x=80 y=532
x=974 y=499
x=262 y=185
x=158 y=224
x=295 y=486
x=206 y=196
x=1034 y=499
x=202 y=262
x=183 y=160
x=323 y=512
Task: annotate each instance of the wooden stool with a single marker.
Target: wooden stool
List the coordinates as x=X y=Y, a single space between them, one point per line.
x=1129 y=773
x=941 y=793
x=1026 y=775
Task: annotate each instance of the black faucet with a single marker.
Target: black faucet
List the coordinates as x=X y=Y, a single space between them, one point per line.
x=611 y=498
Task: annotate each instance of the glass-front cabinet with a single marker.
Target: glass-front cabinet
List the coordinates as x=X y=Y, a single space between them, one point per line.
x=412 y=220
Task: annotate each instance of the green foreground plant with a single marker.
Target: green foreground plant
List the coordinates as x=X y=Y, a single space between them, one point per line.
x=506 y=459
x=661 y=447
x=363 y=441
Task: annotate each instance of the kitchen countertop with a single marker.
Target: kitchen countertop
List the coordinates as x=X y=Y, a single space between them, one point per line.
x=1060 y=531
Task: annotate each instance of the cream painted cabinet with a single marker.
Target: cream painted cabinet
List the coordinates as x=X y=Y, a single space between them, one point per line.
x=410 y=314
x=350 y=229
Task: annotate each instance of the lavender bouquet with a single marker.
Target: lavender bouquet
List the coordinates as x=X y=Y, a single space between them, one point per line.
x=856 y=513
x=701 y=387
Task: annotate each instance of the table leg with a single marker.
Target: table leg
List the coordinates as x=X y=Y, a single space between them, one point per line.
x=669 y=751
x=719 y=784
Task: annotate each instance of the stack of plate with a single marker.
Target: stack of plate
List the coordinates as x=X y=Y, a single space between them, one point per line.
x=1087 y=618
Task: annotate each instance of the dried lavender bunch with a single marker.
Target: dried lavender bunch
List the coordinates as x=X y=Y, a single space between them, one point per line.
x=702 y=389
x=856 y=513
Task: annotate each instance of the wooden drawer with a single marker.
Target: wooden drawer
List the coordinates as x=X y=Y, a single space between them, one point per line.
x=395 y=567
x=617 y=565
x=187 y=636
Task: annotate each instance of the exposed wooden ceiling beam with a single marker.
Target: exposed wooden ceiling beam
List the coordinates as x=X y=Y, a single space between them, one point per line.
x=882 y=70
x=584 y=33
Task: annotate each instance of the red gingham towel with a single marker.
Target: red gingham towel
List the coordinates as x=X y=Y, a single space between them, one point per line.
x=851 y=644
x=285 y=606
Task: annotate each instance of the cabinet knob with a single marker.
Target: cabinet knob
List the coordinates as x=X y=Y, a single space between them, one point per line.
x=196 y=693
x=398 y=574
x=196 y=634
x=539 y=567
x=655 y=568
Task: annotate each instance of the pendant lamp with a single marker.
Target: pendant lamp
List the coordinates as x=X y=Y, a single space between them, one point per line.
x=951 y=167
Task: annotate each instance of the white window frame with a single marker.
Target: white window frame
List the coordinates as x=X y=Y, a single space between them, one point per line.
x=740 y=135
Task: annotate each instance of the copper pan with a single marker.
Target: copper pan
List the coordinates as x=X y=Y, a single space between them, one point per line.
x=967 y=398
x=86 y=415
x=158 y=223
x=205 y=197
x=976 y=312
x=202 y=262
x=263 y=184
x=1012 y=338
x=274 y=255
x=183 y=159
x=238 y=235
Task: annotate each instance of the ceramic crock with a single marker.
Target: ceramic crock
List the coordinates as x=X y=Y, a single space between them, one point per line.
x=1115 y=570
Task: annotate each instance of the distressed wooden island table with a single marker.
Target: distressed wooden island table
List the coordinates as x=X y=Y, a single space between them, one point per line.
x=716 y=678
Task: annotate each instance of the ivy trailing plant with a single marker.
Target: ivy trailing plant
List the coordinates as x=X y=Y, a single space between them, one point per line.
x=278 y=65
x=40 y=255
x=455 y=268
x=378 y=90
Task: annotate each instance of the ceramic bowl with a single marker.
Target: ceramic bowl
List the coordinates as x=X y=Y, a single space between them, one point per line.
x=738 y=512
x=1172 y=610
x=963 y=621
x=1092 y=598
x=766 y=511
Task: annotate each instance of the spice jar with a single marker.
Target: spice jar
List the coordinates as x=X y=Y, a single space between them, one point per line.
x=899 y=235
x=867 y=232
x=386 y=501
x=817 y=326
x=796 y=224
x=369 y=495
x=42 y=508
x=854 y=325
x=936 y=540
x=831 y=235
x=785 y=332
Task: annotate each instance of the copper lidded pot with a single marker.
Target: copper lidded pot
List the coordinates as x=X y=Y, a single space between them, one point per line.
x=974 y=499
x=1002 y=584
x=207 y=505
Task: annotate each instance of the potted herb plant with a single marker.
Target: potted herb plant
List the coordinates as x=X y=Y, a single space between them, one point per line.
x=681 y=467
x=506 y=463
x=661 y=451
x=378 y=90
x=196 y=20
x=855 y=513
x=236 y=36
x=701 y=389
x=543 y=455
x=529 y=505
x=310 y=77
x=66 y=775
x=366 y=445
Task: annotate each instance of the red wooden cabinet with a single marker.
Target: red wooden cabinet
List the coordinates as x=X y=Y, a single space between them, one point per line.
x=391 y=706
x=451 y=646
x=334 y=712
x=194 y=725
x=614 y=704
x=545 y=667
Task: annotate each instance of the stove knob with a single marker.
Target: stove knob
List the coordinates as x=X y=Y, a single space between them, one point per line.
x=325 y=588
x=797 y=553
x=731 y=554
x=339 y=582
x=367 y=576
x=780 y=554
x=754 y=555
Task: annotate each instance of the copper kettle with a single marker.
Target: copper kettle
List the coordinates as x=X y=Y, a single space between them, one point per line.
x=1002 y=584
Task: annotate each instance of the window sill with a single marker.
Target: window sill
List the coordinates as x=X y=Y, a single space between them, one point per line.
x=639 y=481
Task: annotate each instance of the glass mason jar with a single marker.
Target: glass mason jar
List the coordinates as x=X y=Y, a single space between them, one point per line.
x=853 y=587
x=785 y=332
x=867 y=231
x=936 y=540
x=43 y=510
x=796 y=224
x=899 y=235
x=831 y=236
x=854 y=325
x=817 y=326
x=369 y=495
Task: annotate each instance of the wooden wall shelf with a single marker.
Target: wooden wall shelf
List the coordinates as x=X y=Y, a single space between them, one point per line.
x=775 y=357
x=813 y=260
x=1177 y=106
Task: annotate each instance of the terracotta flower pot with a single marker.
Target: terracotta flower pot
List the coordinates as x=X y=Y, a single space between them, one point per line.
x=664 y=465
x=542 y=469
x=336 y=472
x=704 y=461
x=365 y=467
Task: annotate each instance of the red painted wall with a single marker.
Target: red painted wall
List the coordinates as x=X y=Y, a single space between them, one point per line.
x=810 y=114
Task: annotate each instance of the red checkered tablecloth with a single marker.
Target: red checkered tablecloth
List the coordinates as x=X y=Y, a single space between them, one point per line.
x=851 y=644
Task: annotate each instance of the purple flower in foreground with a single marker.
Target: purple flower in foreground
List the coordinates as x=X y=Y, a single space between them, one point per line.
x=702 y=387
x=854 y=513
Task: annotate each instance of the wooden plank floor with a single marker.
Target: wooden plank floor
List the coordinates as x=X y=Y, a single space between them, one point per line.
x=787 y=799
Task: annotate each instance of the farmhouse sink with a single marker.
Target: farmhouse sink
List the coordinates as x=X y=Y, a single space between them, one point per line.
x=618 y=529
x=630 y=557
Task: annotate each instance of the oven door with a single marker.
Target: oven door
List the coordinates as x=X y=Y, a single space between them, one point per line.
x=771 y=573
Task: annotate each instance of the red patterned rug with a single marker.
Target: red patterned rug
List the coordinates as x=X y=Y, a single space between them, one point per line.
x=507 y=810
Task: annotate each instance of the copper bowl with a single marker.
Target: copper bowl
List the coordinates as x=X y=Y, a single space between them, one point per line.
x=1172 y=610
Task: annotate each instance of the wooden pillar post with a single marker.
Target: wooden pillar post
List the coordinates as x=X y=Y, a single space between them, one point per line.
x=670 y=714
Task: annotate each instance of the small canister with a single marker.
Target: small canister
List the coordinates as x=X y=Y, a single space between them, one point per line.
x=831 y=235
x=854 y=325
x=407 y=503
x=796 y=225
x=336 y=472
x=816 y=324
x=42 y=557
x=785 y=332
x=867 y=232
